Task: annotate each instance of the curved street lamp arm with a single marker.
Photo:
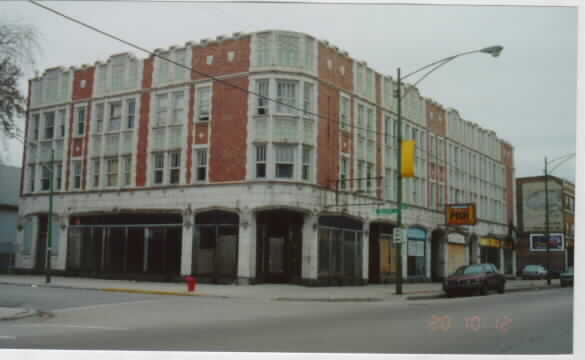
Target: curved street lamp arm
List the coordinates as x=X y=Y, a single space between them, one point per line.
x=432 y=70
x=563 y=160
x=492 y=50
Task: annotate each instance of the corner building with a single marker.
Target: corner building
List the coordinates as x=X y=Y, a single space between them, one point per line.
x=160 y=172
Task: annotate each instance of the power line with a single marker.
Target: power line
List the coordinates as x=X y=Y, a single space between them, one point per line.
x=441 y=160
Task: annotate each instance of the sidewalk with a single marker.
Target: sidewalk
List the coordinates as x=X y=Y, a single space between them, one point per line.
x=267 y=292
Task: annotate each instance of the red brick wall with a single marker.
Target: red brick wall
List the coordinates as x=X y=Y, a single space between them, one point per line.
x=327 y=140
x=143 y=126
x=436 y=123
x=221 y=65
x=201 y=134
x=333 y=75
x=328 y=107
x=227 y=153
x=87 y=75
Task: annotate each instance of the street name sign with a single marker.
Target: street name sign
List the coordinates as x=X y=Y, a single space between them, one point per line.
x=388 y=211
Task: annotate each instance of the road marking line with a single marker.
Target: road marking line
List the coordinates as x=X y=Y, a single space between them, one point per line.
x=74 y=326
x=89 y=307
x=8 y=337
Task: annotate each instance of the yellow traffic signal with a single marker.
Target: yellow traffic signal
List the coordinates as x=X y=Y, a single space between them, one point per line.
x=408 y=158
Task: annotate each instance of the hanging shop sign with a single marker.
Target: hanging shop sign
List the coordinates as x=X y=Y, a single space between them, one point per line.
x=490 y=242
x=461 y=214
x=538 y=242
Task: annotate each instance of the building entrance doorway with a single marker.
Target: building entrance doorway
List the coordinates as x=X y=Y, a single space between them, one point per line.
x=279 y=241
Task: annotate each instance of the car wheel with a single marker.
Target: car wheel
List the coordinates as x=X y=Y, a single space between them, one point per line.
x=501 y=288
x=484 y=289
x=450 y=294
x=563 y=284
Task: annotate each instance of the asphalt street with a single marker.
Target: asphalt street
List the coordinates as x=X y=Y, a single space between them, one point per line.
x=534 y=322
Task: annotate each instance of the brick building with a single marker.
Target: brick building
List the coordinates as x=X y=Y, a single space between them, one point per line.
x=162 y=172
x=531 y=207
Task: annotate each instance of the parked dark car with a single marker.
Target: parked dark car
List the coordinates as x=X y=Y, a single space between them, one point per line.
x=533 y=272
x=473 y=278
x=567 y=278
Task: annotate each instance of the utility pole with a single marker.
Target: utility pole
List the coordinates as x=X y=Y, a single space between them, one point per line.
x=398 y=255
x=50 y=219
x=547 y=223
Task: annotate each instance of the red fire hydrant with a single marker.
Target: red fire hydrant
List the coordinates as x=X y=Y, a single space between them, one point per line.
x=191 y=283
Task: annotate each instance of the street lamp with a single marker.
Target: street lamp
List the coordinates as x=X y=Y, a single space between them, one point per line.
x=561 y=160
x=491 y=50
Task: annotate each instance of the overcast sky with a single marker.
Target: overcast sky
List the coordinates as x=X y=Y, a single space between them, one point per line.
x=527 y=95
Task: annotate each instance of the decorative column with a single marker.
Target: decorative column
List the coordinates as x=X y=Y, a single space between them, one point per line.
x=428 y=255
x=246 y=248
x=502 y=259
x=187 y=242
x=365 y=249
x=61 y=258
x=309 y=248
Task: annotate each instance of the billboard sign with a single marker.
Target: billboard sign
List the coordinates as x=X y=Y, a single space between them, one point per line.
x=461 y=214
x=537 y=242
x=533 y=195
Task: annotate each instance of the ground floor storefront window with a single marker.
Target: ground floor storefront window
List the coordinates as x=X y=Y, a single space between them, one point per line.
x=490 y=251
x=340 y=250
x=416 y=253
x=215 y=240
x=101 y=246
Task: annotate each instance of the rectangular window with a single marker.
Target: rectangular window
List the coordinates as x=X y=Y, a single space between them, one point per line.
x=201 y=164
x=344 y=113
x=162 y=109
x=58 y=170
x=77 y=174
x=361 y=174
x=61 y=130
x=262 y=104
x=306 y=170
x=180 y=58
x=49 y=125
x=263 y=53
x=115 y=116
x=261 y=161
x=31 y=178
x=99 y=118
x=289 y=50
x=130 y=113
x=343 y=172
x=369 y=175
x=158 y=168
x=388 y=130
x=178 y=112
x=118 y=75
x=96 y=173
x=112 y=172
x=284 y=161
x=286 y=96
x=80 y=129
x=174 y=167
x=164 y=67
x=307 y=99
x=45 y=177
x=203 y=107
x=127 y=170
x=35 y=125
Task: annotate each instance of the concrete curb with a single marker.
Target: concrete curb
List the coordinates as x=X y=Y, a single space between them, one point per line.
x=329 y=299
x=442 y=295
x=159 y=292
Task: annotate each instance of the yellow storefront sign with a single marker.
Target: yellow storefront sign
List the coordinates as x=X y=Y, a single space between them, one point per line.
x=490 y=242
